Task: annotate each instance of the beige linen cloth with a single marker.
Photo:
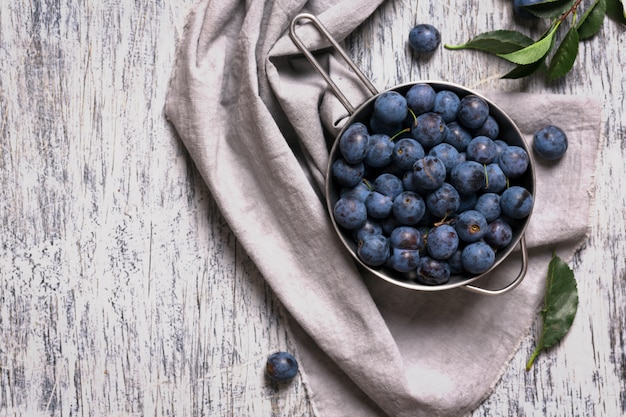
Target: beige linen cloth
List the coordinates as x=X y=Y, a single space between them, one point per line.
x=252 y=113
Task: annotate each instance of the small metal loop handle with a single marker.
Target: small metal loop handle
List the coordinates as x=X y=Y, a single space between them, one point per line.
x=513 y=284
x=340 y=95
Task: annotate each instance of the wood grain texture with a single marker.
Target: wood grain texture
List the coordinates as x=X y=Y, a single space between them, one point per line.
x=122 y=289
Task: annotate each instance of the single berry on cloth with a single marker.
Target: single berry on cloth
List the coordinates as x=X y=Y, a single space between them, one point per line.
x=281 y=366
x=550 y=142
x=424 y=38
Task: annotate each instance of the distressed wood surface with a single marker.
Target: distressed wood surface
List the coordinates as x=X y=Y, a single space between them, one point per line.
x=123 y=291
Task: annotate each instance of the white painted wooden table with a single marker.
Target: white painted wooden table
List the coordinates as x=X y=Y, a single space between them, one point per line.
x=123 y=291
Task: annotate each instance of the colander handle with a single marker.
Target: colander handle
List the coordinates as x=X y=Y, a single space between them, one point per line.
x=340 y=95
x=513 y=284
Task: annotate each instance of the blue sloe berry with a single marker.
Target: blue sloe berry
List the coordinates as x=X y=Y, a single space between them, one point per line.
x=373 y=250
x=442 y=242
x=281 y=366
x=432 y=271
x=350 y=213
x=477 y=257
x=516 y=202
x=424 y=38
x=421 y=98
x=473 y=111
x=353 y=143
x=550 y=142
x=447 y=105
x=390 y=107
x=471 y=226
x=513 y=161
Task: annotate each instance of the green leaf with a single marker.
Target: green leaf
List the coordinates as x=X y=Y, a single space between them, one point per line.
x=496 y=42
x=550 y=9
x=565 y=55
x=616 y=10
x=522 y=71
x=533 y=52
x=560 y=305
x=591 y=22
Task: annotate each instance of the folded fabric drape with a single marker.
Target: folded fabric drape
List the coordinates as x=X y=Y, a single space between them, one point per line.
x=253 y=115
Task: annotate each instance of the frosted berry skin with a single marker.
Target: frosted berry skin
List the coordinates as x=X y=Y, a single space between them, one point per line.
x=353 y=144
x=350 y=213
x=424 y=38
x=281 y=367
x=473 y=111
x=442 y=242
x=421 y=98
x=477 y=257
x=432 y=272
x=550 y=143
x=516 y=202
x=390 y=107
x=374 y=250
x=513 y=161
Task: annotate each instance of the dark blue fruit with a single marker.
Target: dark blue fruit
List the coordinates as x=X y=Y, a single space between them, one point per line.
x=371 y=227
x=408 y=208
x=424 y=38
x=429 y=173
x=488 y=205
x=495 y=180
x=406 y=152
x=513 y=161
x=471 y=226
x=404 y=260
x=350 y=213
x=499 y=234
x=482 y=149
x=457 y=136
x=390 y=107
x=373 y=250
x=447 y=105
x=477 y=257
x=429 y=129
x=468 y=177
x=448 y=154
x=380 y=151
x=432 y=272
x=473 y=111
x=353 y=143
x=388 y=184
x=346 y=174
x=490 y=128
x=516 y=202
x=281 y=366
x=360 y=191
x=406 y=237
x=443 y=201
x=442 y=242
x=550 y=143
x=421 y=98
x=378 y=205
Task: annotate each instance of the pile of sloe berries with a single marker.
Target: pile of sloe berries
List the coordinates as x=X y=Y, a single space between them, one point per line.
x=428 y=187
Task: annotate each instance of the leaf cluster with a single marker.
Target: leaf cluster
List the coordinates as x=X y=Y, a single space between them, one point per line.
x=557 y=57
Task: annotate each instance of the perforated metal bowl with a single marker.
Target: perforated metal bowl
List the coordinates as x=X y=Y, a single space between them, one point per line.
x=509 y=132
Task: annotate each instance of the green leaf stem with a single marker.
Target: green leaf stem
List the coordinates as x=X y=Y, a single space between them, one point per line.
x=565 y=55
x=616 y=10
x=560 y=305
x=522 y=71
x=591 y=21
x=550 y=9
x=496 y=42
x=534 y=52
